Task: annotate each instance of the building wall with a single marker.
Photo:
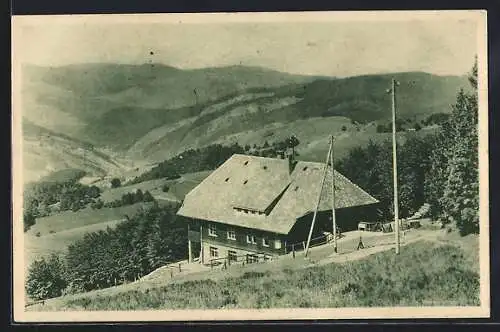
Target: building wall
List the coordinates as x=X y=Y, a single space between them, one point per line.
x=347 y=219
x=239 y=243
x=223 y=251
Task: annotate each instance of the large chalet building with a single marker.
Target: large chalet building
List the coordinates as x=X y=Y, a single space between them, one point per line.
x=255 y=205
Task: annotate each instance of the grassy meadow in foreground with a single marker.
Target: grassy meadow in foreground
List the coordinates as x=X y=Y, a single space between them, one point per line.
x=380 y=280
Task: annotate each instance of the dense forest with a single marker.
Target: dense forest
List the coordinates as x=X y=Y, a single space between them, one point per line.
x=150 y=239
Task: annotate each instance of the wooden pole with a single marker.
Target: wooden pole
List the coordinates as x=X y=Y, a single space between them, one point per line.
x=202 y=258
x=319 y=200
x=334 y=221
x=395 y=166
x=190 y=252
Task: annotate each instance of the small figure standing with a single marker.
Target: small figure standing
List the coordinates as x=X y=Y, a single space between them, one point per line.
x=360 y=244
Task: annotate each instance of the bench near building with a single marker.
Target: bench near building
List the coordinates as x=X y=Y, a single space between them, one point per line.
x=255 y=205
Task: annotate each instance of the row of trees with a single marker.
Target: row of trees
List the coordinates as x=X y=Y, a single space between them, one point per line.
x=152 y=238
x=401 y=125
x=211 y=157
x=126 y=199
x=273 y=149
x=192 y=160
x=440 y=169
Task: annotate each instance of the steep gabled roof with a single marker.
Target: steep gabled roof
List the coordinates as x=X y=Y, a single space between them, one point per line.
x=265 y=186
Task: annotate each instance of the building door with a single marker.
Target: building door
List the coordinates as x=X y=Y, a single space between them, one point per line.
x=232 y=256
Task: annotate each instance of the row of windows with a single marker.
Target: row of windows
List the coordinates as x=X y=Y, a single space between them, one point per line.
x=232 y=255
x=231 y=235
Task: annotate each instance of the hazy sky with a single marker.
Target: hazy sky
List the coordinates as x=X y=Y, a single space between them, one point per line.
x=318 y=48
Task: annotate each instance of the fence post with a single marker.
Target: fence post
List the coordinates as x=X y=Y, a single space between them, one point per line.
x=171 y=273
x=180 y=267
x=293 y=250
x=304 y=245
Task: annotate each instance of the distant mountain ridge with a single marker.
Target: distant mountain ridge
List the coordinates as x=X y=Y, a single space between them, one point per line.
x=152 y=111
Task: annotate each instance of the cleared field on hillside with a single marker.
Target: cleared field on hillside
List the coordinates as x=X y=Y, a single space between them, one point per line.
x=178 y=188
x=382 y=279
x=37 y=247
x=56 y=232
x=69 y=220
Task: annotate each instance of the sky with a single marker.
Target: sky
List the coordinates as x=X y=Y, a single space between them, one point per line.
x=328 y=48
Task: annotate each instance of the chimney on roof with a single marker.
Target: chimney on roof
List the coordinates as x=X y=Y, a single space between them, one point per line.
x=291 y=160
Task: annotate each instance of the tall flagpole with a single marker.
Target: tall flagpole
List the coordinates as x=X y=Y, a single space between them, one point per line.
x=334 y=221
x=395 y=166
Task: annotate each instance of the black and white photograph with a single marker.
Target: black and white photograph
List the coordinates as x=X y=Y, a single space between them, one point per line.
x=250 y=166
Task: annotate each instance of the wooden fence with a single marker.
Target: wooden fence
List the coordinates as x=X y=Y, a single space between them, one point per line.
x=317 y=241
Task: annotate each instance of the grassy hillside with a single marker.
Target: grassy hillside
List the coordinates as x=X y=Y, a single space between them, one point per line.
x=46 y=151
x=381 y=279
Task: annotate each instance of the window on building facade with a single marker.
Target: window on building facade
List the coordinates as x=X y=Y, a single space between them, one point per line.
x=214 y=252
x=212 y=230
x=265 y=242
x=277 y=244
x=251 y=239
x=231 y=235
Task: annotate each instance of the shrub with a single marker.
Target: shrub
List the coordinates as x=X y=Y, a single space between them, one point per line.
x=46 y=278
x=98 y=204
x=165 y=188
x=115 y=183
x=28 y=220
